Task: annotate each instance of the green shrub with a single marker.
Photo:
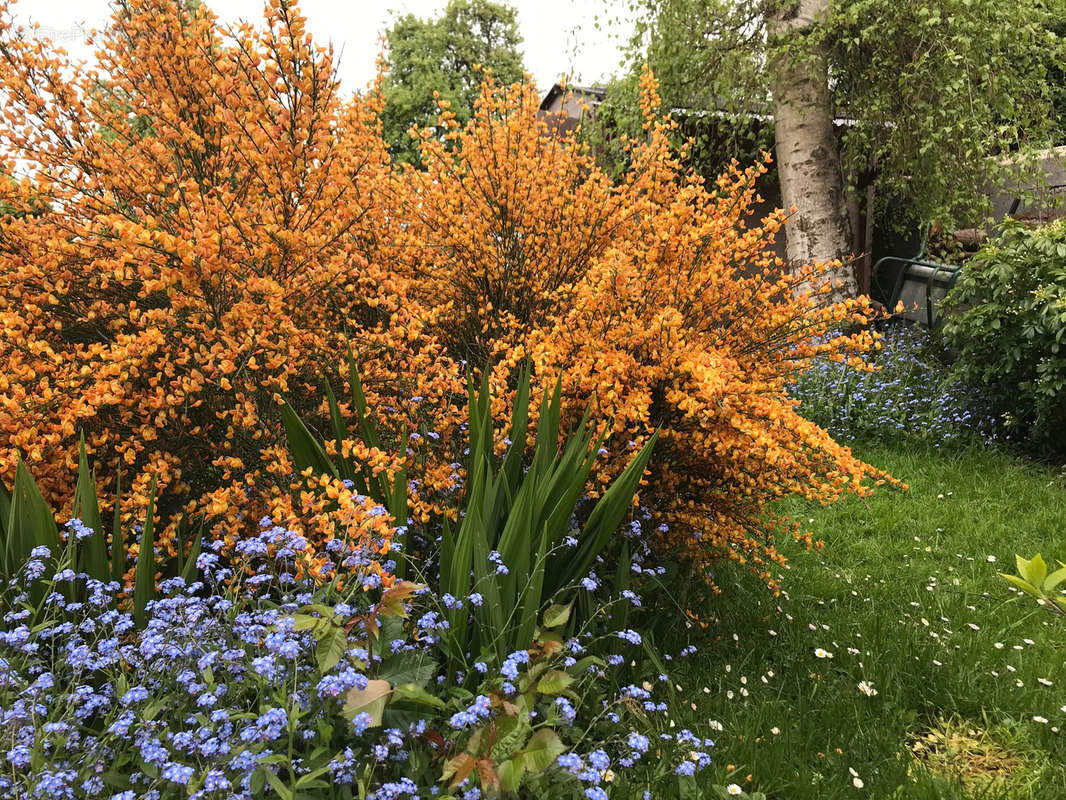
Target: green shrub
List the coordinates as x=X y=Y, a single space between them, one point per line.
x=1006 y=317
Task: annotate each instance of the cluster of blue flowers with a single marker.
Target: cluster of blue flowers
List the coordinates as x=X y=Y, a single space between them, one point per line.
x=220 y=693
x=911 y=396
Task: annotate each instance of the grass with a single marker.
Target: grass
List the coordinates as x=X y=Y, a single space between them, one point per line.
x=905 y=596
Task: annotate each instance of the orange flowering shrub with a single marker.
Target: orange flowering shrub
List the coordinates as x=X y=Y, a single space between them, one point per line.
x=658 y=301
x=205 y=231
x=201 y=224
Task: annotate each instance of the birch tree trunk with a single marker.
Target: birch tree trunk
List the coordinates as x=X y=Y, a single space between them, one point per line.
x=808 y=160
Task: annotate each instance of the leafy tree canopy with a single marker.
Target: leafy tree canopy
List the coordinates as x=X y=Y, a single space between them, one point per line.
x=447 y=56
x=929 y=89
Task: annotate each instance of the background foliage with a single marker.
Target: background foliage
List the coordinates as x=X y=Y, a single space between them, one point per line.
x=927 y=91
x=445 y=59
x=1007 y=320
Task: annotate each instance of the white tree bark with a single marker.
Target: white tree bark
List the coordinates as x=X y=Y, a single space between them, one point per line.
x=808 y=160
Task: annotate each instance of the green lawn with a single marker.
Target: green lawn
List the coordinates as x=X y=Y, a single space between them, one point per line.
x=905 y=596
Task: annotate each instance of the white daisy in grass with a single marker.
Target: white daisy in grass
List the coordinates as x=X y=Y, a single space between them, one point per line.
x=820 y=653
x=867 y=688
x=734 y=789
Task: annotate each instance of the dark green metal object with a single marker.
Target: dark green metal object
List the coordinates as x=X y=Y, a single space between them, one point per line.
x=918 y=283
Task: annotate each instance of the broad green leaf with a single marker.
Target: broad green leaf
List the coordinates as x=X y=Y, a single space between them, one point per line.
x=409 y=667
x=1055 y=580
x=557 y=615
x=1034 y=570
x=511 y=772
x=588 y=661
x=511 y=736
x=284 y=792
x=304 y=622
x=554 y=682
x=1024 y=585
x=257 y=782
x=331 y=648
x=410 y=693
x=543 y=748
x=688 y=789
x=371 y=700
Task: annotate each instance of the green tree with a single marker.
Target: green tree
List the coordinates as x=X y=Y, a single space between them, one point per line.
x=447 y=55
x=930 y=97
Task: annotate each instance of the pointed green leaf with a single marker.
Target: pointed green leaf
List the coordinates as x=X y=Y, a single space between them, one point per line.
x=1024 y=585
x=554 y=682
x=118 y=546
x=340 y=433
x=410 y=693
x=5 y=511
x=1034 y=570
x=370 y=436
x=305 y=448
x=30 y=520
x=621 y=583
x=557 y=615
x=176 y=566
x=607 y=515
x=371 y=700
x=144 y=577
x=331 y=648
x=511 y=470
x=398 y=510
x=284 y=792
x=1055 y=580
x=542 y=750
x=189 y=571
x=532 y=597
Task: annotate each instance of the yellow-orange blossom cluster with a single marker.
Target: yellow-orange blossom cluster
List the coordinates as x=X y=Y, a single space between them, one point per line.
x=208 y=222
x=657 y=299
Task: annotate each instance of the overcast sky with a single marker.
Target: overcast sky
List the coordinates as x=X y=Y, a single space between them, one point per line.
x=559 y=36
